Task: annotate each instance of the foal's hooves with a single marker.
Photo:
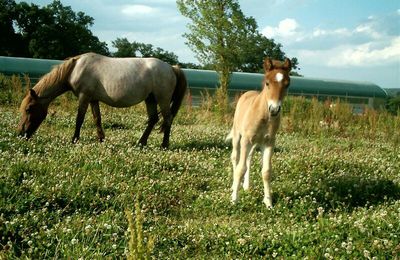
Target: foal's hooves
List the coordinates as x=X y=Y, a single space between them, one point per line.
x=75 y=140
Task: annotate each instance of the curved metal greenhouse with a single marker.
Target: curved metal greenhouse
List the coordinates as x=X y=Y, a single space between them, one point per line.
x=357 y=93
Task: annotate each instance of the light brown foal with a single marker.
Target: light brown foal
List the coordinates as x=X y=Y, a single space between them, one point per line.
x=256 y=121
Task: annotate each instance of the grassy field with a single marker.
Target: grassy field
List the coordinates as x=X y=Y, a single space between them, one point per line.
x=336 y=190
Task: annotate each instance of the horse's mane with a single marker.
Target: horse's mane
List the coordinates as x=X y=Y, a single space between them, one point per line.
x=56 y=77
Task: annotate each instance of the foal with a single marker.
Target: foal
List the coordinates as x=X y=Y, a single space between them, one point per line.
x=255 y=123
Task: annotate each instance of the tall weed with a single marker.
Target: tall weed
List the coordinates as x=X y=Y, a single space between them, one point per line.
x=12 y=89
x=138 y=247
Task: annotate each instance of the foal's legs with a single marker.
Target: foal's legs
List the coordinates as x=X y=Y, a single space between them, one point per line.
x=151 y=107
x=97 y=119
x=83 y=106
x=266 y=174
x=241 y=167
x=235 y=150
x=246 y=182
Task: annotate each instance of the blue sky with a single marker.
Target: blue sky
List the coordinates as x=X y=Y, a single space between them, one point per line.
x=336 y=39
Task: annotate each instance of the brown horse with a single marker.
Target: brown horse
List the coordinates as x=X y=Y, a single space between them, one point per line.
x=118 y=82
x=256 y=121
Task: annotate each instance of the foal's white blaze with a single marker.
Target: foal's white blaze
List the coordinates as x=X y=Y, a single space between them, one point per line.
x=279 y=77
x=274 y=104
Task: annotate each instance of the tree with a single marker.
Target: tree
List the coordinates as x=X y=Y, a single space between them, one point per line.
x=393 y=105
x=217 y=31
x=257 y=48
x=124 y=48
x=54 y=31
x=137 y=49
x=223 y=37
x=10 y=41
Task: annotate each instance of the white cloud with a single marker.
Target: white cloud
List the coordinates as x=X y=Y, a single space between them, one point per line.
x=344 y=56
x=371 y=43
x=286 y=29
x=368 y=30
x=137 y=10
x=323 y=33
x=365 y=55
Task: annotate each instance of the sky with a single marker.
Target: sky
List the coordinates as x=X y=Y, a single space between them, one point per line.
x=355 y=40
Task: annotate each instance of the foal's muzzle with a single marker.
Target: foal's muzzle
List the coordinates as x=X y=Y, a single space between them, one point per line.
x=274 y=110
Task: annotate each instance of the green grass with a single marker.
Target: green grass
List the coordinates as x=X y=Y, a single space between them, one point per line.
x=335 y=195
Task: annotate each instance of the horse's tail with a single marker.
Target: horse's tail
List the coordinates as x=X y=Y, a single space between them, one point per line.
x=59 y=75
x=180 y=90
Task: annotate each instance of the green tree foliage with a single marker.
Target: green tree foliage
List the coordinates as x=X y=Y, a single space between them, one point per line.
x=53 y=31
x=257 y=47
x=216 y=34
x=393 y=105
x=10 y=41
x=137 y=49
x=223 y=37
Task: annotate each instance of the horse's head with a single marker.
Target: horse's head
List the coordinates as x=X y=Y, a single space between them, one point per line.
x=33 y=114
x=276 y=81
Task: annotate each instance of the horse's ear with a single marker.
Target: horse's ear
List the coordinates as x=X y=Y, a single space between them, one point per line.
x=268 y=64
x=287 y=64
x=33 y=94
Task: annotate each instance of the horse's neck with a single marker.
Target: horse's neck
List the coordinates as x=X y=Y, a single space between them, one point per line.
x=48 y=94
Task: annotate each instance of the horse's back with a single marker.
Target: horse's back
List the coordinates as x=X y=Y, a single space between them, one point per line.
x=121 y=81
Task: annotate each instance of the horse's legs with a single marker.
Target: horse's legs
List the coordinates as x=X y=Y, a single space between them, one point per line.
x=166 y=126
x=246 y=182
x=165 y=108
x=97 y=119
x=266 y=174
x=151 y=107
x=83 y=106
x=241 y=167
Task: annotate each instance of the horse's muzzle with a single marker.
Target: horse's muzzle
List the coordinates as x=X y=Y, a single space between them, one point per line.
x=274 y=110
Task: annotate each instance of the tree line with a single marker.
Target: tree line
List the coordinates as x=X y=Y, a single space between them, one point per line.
x=56 y=31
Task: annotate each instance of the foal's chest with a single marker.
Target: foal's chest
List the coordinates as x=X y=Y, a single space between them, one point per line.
x=265 y=130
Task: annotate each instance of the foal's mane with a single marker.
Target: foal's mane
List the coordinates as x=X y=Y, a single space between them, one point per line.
x=56 y=77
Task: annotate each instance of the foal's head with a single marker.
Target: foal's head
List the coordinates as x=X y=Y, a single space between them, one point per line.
x=33 y=114
x=276 y=82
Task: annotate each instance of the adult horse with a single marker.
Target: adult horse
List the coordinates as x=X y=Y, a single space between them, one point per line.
x=117 y=82
x=255 y=123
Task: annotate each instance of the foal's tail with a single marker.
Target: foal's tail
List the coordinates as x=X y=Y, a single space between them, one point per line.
x=180 y=90
x=229 y=137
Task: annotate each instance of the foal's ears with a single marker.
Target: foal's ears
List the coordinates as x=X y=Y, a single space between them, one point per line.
x=33 y=94
x=287 y=65
x=268 y=64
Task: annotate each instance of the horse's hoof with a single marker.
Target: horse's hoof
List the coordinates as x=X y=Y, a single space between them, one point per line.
x=164 y=145
x=141 y=144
